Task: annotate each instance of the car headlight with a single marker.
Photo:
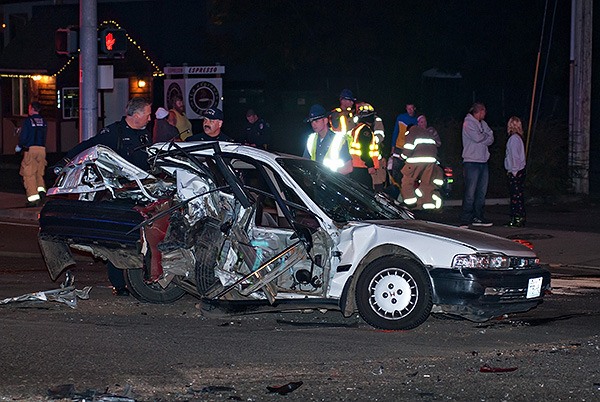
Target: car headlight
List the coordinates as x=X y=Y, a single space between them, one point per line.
x=492 y=261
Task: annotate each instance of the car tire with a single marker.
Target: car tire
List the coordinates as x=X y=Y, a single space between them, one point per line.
x=394 y=294
x=151 y=292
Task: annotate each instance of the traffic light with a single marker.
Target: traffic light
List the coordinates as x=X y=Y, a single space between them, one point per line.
x=113 y=42
x=66 y=41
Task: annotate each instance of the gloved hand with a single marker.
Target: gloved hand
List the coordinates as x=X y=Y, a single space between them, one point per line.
x=18 y=149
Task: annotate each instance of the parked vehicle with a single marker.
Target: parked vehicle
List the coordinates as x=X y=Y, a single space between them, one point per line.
x=240 y=227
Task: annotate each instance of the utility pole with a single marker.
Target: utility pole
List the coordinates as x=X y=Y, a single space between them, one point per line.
x=580 y=87
x=88 y=69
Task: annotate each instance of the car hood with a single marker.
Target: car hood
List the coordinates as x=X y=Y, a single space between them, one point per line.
x=476 y=240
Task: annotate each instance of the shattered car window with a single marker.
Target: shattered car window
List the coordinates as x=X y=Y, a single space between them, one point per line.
x=340 y=198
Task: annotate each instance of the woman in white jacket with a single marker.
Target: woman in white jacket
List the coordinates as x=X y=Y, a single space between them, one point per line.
x=514 y=163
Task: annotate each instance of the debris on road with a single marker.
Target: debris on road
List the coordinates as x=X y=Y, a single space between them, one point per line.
x=285 y=389
x=67 y=295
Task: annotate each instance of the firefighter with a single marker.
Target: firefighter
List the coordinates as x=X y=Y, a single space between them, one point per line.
x=364 y=147
x=325 y=146
x=421 y=174
x=342 y=118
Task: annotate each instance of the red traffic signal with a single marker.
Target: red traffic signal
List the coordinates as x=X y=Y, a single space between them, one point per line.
x=113 y=41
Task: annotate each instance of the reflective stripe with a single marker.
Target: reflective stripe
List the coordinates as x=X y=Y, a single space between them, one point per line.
x=409 y=146
x=421 y=159
x=438 y=182
x=332 y=157
x=33 y=198
x=410 y=201
x=424 y=141
x=41 y=189
x=418 y=192
x=438 y=201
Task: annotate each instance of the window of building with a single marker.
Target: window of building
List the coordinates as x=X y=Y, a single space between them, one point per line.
x=20 y=96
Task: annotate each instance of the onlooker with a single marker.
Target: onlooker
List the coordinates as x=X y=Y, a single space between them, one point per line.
x=32 y=141
x=163 y=129
x=420 y=155
x=325 y=146
x=128 y=137
x=476 y=137
x=364 y=148
x=213 y=120
x=177 y=112
x=403 y=121
x=514 y=163
x=342 y=118
x=258 y=131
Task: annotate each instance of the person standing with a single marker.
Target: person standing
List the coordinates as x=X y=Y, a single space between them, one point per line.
x=341 y=118
x=258 y=131
x=364 y=148
x=514 y=163
x=177 y=114
x=476 y=138
x=163 y=130
x=325 y=146
x=32 y=141
x=128 y=138
x=403 y=121
x=213 y=121
x=420 y=155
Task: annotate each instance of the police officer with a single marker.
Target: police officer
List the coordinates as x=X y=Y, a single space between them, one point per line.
x=258 y=131
x=325 y=146
x=342 y=118
x=364 y=148
x=32 y=141
x=420 y=155
x=129 y=138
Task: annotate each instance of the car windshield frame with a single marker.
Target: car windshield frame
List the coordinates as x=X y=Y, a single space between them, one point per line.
x=340 y=198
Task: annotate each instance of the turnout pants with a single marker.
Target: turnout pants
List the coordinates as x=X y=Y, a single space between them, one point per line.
x=32 y=170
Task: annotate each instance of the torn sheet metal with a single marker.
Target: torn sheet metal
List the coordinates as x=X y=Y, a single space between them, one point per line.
x=67 y=295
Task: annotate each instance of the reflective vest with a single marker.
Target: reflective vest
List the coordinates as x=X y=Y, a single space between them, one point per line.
x=341 y=120
x=356 y=151
x=332 y=156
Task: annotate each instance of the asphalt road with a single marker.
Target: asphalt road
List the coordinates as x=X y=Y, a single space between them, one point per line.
x=177 y=353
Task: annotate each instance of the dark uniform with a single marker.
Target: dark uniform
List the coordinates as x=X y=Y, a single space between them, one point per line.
x=129 y=143
x=258 y=134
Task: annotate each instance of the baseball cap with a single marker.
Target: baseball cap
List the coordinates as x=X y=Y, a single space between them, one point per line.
x=161 y=113
x=213 y=113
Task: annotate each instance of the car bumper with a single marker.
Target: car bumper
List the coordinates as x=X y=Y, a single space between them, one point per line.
x=479 y=295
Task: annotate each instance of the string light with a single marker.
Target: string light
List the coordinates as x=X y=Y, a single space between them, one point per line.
x=157 y=71
x=36 y=76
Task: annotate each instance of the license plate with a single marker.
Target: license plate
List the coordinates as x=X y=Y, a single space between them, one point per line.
x=534 y=288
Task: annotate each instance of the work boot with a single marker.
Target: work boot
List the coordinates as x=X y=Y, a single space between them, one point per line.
x=31 y=204
x=516 y=222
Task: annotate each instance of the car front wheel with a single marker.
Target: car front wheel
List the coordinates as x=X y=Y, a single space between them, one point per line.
x=151 y=292
x=394 y=294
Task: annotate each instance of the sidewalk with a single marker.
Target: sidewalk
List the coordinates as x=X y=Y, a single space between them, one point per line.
x=562 y=235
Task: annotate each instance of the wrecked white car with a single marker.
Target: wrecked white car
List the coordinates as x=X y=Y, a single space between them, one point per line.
x=240 y=227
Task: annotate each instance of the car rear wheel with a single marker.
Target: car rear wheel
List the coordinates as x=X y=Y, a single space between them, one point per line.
x=151 y=292
x=394 y=294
